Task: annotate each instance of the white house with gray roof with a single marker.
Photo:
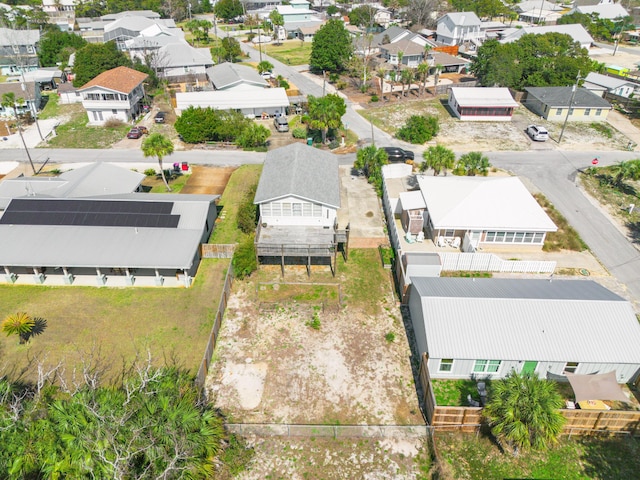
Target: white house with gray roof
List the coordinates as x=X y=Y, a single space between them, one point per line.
x=299 y=186
x=456 y=28
x=181 y=60
x=487 y=327
x=232 y=76
x=598 y=83
x=556 y=103
x=85 y=225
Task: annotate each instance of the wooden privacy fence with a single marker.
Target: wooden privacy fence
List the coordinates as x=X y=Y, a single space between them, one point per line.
x=488 y=262
x=332 y=431
x=220 y=250
x=203 y=371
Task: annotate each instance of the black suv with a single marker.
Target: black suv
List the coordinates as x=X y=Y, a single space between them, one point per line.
x=397 y=154
x=159 y=118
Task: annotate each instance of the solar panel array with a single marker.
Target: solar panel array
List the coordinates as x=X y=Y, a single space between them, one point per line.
x=92 y=213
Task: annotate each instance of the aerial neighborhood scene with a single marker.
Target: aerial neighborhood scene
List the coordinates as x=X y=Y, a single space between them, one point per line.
x=307 y=239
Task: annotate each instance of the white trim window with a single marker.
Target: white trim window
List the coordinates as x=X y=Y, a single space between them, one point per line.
x=446 y=365
x=487 y=366
x=514 y=237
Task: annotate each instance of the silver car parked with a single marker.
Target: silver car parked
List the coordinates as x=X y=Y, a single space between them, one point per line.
x=538 y=133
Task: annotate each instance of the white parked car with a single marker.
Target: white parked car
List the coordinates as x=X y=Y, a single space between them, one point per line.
x=538 y=133
x=267 y=75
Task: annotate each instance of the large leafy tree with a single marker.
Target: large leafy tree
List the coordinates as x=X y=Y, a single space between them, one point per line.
x=231 y=48
x=331 y=47
x=523 y=411
x=599 y=28
x=56 y=45
x=228 y=9
x=362 y=16
x=326 y=112
x=95 y=58
x=419 y=129
x=159 y=146
x=438 y=158
x=552 y=59
x=371 y=160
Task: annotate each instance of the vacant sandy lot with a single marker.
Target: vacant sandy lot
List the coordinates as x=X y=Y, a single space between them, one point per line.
x=273 y=367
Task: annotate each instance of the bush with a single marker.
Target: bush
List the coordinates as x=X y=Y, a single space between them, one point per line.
x=418 y=129
x=299 y=132
x=247 y=212
x=253 y=135
x=374 y=98
x=390 y=337
x=150 y=172
x=333 y=144
x=113 y=122
x=244 y=259
x=341 y=84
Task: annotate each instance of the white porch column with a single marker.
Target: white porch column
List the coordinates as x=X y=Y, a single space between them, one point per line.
x=37 y=276
x=68 y=278
x=9 y=277
x=100 y=277
x=159 y=278
x=130 y=278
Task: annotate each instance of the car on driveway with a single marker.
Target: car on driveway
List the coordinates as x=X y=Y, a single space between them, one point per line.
x=538 y=133
x=143 y=129
x=397 y=154
x=160 y=117
x=134 y=133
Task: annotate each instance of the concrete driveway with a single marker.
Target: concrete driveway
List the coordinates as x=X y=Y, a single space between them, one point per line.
x=624 y=126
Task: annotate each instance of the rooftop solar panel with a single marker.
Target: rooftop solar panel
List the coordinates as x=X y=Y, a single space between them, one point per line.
x=95 y=213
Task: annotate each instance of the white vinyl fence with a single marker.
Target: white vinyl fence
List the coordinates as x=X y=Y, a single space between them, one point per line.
x=488 y=262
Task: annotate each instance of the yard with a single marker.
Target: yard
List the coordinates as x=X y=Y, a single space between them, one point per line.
x=486 y=136
x=286 y=356
x=110 y=326
x=290 y=52
x=477 y=457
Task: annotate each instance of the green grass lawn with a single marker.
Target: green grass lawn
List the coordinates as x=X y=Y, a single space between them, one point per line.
x=476 y=457
x=113 y=324
x=240 y=182
x=52 y=108
x=76 y=133
x=566 y=238
x=290 y=52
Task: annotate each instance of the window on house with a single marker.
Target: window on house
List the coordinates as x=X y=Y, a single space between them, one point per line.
x=114 y=111
x=317 y=210
x=297 y=209
x=30 y=49
x=486 y=366
x=306 y=209
x=276 y=209
x=286 y=209
x=559 y=111
x=15 y=48
x=446 y=365
x=449 y=233
x=571 y=367
x=571 y=111
x=598 y=112
x=587 y=111
x=265 y=209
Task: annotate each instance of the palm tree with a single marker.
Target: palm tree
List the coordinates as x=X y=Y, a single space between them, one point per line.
x=265 y=66
x=158 y=145
x=19 y=324
x=407 y=77
x=423 y=73
x=523 y=411
x=474 y=163
x=393 y=76
x=439 y=69
x=621 y=171
x=438 y=158
x=401 y=76
x=381 y=73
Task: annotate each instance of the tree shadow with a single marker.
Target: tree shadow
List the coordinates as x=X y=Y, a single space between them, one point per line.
x=606 y=457
x=40 y=325
x=634 y=231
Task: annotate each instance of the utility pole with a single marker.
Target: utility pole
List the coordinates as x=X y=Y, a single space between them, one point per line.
x=324 y=82
x=573 y=94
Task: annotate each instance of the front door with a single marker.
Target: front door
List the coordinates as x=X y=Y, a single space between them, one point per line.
x=529 y=367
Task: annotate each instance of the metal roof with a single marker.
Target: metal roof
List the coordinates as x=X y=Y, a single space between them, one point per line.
x=228 y=74
x=606 y=81
x=514 y=319
x=482 y=203
x=574 y=30
x=301 y=171
x=230 y=99
x=483 y=97
x=134 y=247
x=184 y=55
x=561 y=97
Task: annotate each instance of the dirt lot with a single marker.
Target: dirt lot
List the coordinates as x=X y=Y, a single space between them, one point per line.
x=272 y=367
x=208 y=180
x=483 y=136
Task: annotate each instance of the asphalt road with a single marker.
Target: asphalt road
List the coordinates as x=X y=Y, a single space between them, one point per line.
x=554 y=173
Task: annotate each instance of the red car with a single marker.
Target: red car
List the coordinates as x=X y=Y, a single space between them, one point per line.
x=134 y=133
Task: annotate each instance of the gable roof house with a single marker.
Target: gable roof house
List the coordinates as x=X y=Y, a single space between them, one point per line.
x=450 y=63
x=456 y=28
x=482 y=103
x=31 y=95
x=232 y=76
x=251 y=102
x=412 y=53
x=298 y=196
x=181 y=62
x=99 y=234
x=598 y=84
x=116 y=93
x=497 y=214
x=534 y=11
x=555 y=103
x=576 y=31
x=606 y=11
x=487 y=327
x=18 y=50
